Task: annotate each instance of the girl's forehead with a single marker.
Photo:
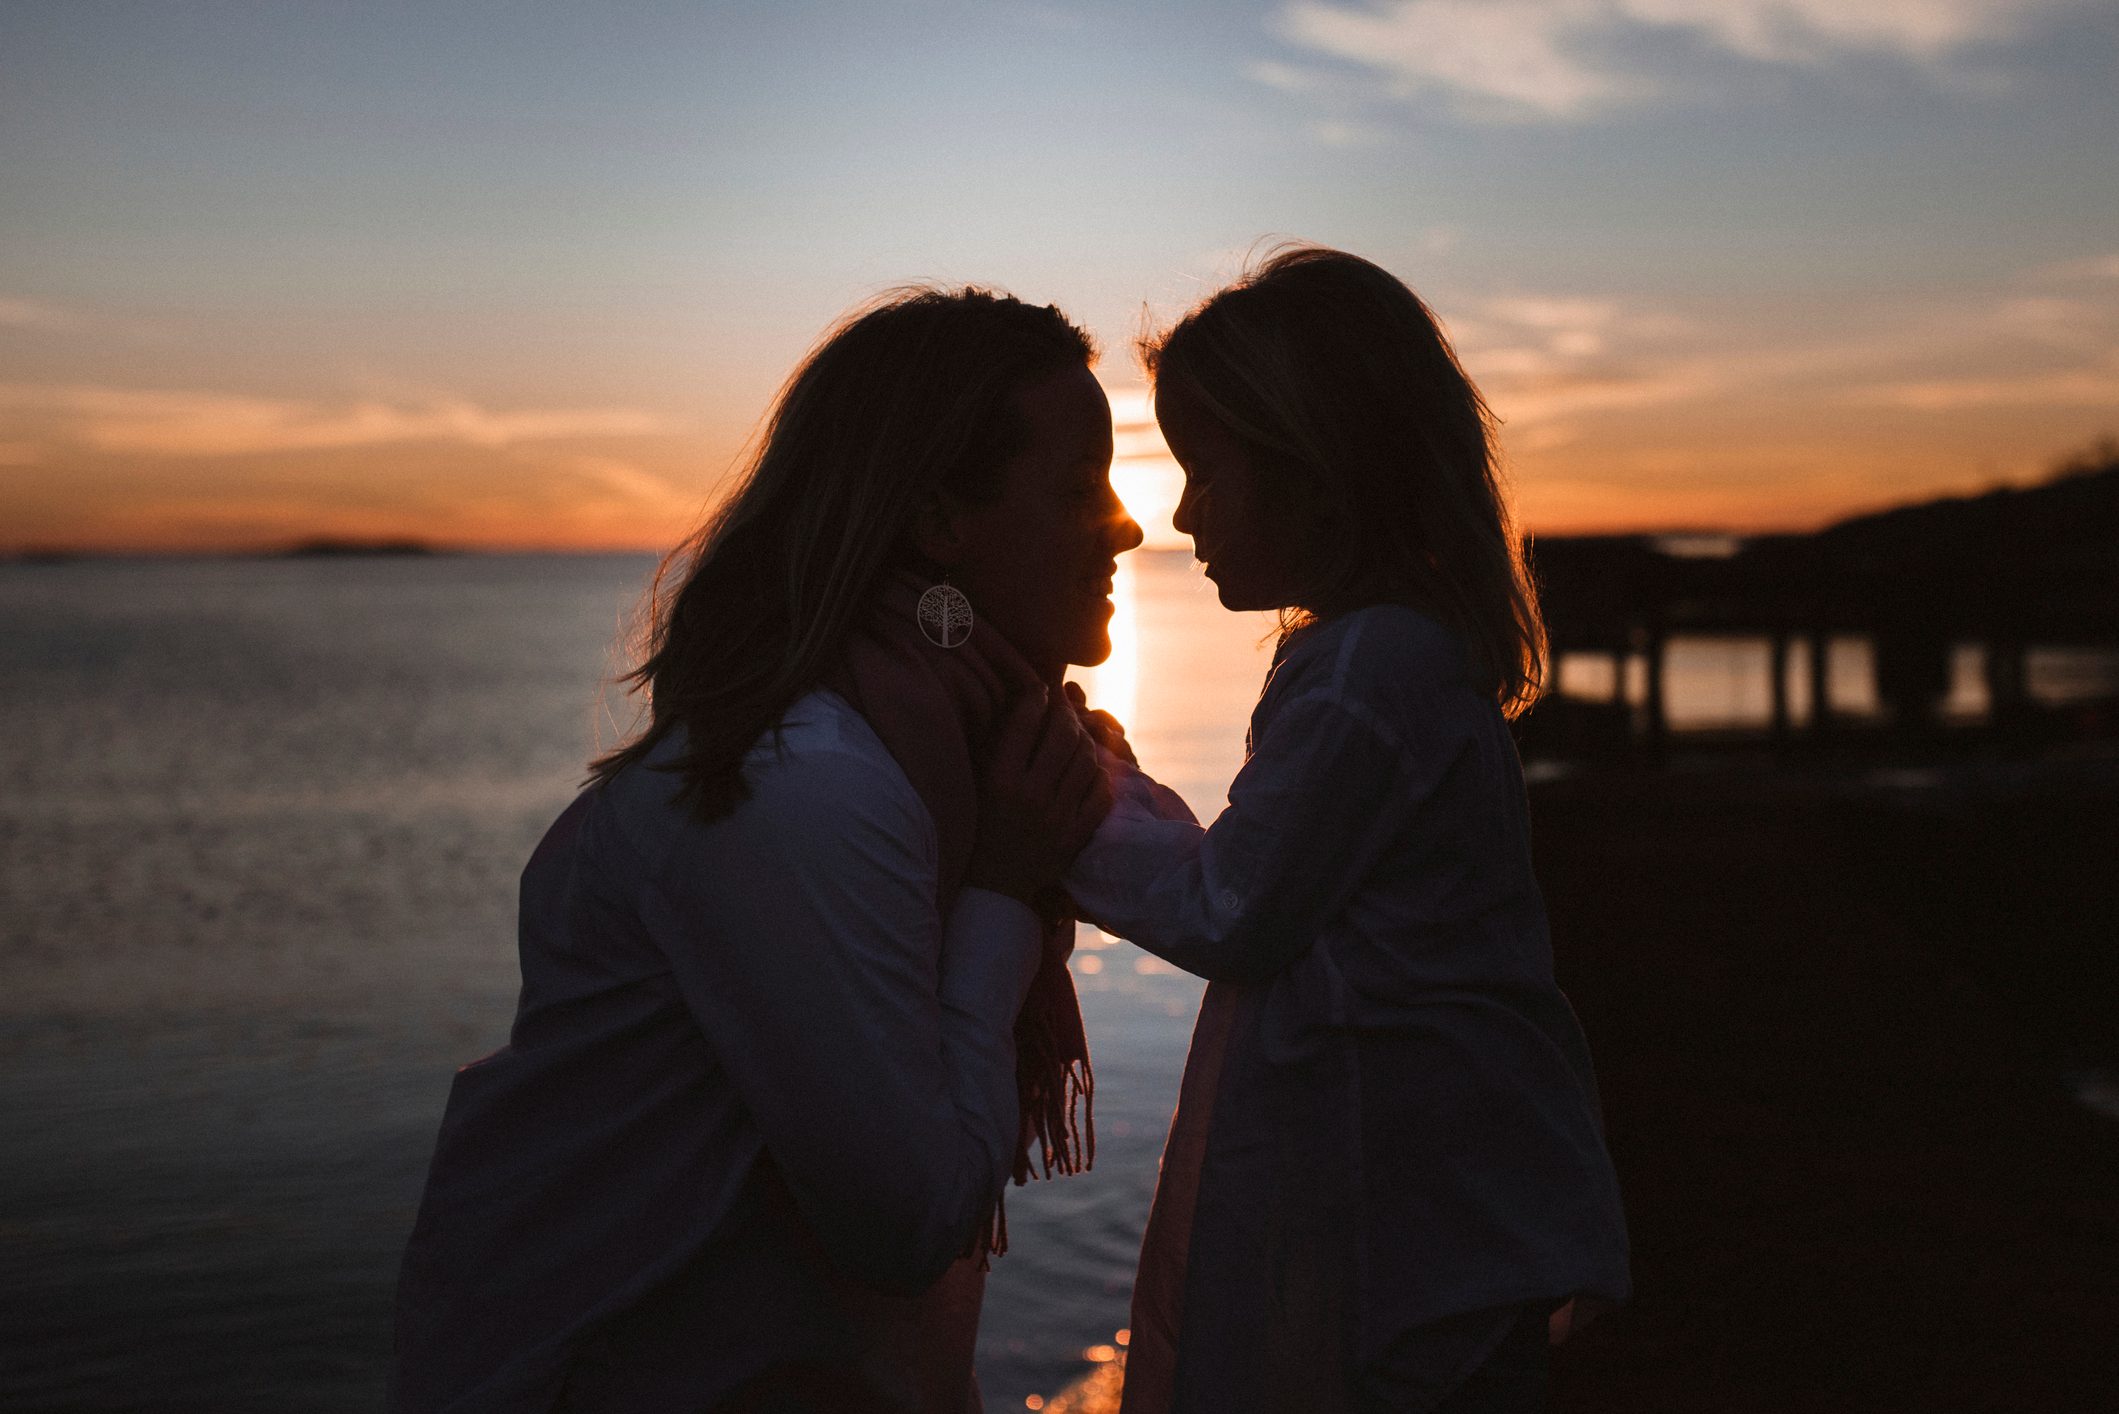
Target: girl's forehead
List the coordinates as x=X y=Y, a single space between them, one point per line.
x=1173 y=402
x=1182 y=414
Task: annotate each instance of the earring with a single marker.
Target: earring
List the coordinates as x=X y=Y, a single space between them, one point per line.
x=945 y=616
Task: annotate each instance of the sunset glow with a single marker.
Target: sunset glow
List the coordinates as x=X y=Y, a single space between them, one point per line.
x=1143 y=473
x=1114 y=684
x=276 y=273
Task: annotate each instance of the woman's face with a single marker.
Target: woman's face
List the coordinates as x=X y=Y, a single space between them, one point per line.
x=1037 y=560
x=1250 y=552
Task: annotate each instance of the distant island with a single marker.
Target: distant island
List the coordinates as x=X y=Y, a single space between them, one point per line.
x=331 y=547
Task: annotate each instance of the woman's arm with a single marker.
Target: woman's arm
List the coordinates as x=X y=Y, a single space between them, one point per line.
x=1327 y=787
x=875 y=1052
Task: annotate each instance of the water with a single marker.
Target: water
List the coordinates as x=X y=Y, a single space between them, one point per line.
x=260 y=826
x=1714 y=681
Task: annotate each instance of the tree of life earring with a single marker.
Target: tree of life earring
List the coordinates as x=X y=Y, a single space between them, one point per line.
x=945 y=616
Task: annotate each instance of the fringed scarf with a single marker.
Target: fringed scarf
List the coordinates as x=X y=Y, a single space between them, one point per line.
x=933 y=708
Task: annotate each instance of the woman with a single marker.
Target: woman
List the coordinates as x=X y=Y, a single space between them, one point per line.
x=795 y=1002
x=1386 y=1168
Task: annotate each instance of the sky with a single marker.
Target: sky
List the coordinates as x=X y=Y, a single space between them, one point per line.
x=528 y=274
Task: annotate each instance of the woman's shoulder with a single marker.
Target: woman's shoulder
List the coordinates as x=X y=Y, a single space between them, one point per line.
x=820 y=770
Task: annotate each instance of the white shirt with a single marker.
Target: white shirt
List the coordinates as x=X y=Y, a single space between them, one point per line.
x=751 y=1073
x=1389 y=1114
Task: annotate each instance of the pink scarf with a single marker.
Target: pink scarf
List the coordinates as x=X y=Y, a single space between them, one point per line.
x=933 y=708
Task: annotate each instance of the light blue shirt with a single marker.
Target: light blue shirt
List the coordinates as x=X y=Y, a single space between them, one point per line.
x=752 y=1074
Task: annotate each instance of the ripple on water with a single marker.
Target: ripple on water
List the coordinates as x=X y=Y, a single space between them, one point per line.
x=260 y=829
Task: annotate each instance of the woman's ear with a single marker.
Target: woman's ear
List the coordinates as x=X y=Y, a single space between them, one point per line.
x=938 y=532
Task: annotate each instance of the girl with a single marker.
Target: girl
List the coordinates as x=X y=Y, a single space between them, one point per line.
x=793 y=1006
x=1386 y=1169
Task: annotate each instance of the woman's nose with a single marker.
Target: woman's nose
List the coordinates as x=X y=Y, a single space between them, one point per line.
x=1126 y=533
x=1123 y=532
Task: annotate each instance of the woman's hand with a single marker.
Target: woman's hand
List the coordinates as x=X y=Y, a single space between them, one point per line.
x=1041 y=795
x=1104 y=729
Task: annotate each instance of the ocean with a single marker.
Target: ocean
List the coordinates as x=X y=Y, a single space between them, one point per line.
x=260 y=827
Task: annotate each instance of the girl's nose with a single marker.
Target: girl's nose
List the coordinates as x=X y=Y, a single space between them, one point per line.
x=1181 y=518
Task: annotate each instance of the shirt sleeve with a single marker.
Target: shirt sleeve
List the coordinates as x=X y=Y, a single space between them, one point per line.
x=875 y=1053
x=1327 y=787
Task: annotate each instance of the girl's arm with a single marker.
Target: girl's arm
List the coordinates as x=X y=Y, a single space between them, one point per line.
x=874 y=1051
x=1327 y=787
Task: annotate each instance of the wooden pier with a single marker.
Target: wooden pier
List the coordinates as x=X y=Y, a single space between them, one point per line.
x=2010 y=571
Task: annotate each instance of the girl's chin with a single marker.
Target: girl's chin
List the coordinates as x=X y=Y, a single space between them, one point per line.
x=1234 y=598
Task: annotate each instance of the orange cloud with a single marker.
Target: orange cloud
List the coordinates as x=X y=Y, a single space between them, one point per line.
x=2065 y=387
x=164 y=423
x=641 y=493
x=18 y=313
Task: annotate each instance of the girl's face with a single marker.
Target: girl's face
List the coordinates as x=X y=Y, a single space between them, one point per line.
x=1036 y=562
x=1251 y=551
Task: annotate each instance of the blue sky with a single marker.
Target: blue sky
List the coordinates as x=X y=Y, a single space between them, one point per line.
x=528 y=273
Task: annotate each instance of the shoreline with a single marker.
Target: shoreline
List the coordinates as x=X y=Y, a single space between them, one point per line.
x=1833 y=1028
x=1835 y=1023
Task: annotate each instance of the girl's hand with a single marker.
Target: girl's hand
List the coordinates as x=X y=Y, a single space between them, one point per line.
x=1106 y=730
x=1041 y=795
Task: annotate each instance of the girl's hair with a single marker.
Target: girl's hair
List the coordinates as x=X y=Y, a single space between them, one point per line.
x=1348 y=398
x=909 y=396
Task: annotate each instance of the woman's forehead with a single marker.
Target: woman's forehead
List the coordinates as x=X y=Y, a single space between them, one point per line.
x=1067 y=415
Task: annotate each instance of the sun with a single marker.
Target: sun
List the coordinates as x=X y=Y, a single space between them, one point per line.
x=1143 y=473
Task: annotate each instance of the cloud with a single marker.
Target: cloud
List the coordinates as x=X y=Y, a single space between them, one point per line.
x=1545 y=400
x=1561 y=60
x=1288 y=78
x=2094 y=267
x=2016 y=351
x=33 y=314
x=1541 y=358
x=2086 y=326
x=1510 y=52
x=2093 y=386
x=163 y=423
x=1819 y=31
x=1333 y=133
x=609 y=479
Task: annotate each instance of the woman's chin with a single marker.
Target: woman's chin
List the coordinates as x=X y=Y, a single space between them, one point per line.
x=1090 y=648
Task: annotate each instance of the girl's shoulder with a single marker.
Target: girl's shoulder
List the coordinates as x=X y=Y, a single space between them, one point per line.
x=1397 y=672
x=1376 y=655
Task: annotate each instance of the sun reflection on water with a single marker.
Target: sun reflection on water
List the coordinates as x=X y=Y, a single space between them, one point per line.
x=1114 y=684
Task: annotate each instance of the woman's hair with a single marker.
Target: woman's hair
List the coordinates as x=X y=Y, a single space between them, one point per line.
x=1350 y=402
x=911 y=395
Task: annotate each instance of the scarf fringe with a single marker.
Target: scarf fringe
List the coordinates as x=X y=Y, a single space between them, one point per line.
x=1055 y=1086
x=1062 y=1125
x=1069 y=1148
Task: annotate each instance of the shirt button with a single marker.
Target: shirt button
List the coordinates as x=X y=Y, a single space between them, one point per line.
x=1230 y=901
